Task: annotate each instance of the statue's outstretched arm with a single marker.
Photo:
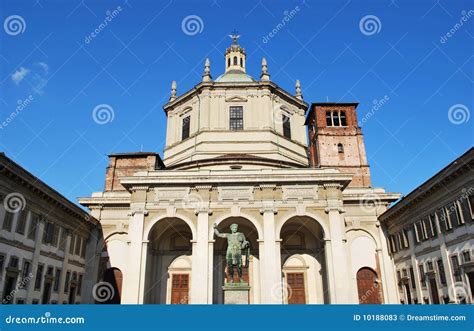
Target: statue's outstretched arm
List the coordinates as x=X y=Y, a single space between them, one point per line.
x=217 y=233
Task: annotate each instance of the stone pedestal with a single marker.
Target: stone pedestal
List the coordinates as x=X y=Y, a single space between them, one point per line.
x=236 y=293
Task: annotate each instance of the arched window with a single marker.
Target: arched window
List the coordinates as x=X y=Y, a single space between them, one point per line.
x=228 y=62
x=235 y=60
x=340 y=148
x=241 y=62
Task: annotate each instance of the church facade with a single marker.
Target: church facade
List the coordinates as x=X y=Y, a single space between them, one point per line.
x=237 y=153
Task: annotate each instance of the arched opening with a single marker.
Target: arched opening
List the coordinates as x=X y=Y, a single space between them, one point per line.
x=228 y=62
x=368 y=286
x=235 y=60
x=250 y=274
x=340 y=148
x=303 y=261
x=168 y=271
x=241 y=62
x=114 y=277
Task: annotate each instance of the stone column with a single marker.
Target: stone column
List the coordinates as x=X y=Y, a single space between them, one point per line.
x=339 y=255
x=329 y=270
x=200 y=260
x=132 y=279
x=389 y=281
x=271 y=282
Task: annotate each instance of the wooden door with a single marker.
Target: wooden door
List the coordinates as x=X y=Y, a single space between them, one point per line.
x=296 y=290
x=114 y=277
x=368 y=287
x=434 y=291
x=180 y=289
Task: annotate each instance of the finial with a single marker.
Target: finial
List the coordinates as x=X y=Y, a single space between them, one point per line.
x=234 y=35
x=206 y=76
x=298 y=90
x=173 y=91
x=264 y=75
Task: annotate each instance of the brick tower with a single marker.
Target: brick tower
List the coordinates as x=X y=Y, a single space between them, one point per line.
x=336 y=141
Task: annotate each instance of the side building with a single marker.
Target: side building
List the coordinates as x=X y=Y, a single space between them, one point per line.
x=431 y=237
x=48 y=245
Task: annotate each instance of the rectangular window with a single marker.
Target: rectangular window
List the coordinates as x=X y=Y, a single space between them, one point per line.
x=442 y=275
x=328 y=118
x=83 y=248
x=422 y=275
x=21 y=223
x=343 y=119
x=33 y=226
x=453 y=214
x=54 y=240
x=79 y=285
x=2 y=263
x=39 y=277
x=13 y=262
x=66 y=282
x=185 y=127
x=457 y=205
x=71 y=244
x=466 y=256
x=406 y=243
x=442 y=219
x=77 y=250
x=7 y=221
x=434 y=226
x=465 y=209
x=62 y=239
x=412 y=278
x=48 y=233
x=236 y=118
x=57 y=276
x=286 y=126
x=25 y=273
x=456 y=268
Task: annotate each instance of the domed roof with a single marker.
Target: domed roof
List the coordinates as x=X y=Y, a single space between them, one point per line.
x=234 y=76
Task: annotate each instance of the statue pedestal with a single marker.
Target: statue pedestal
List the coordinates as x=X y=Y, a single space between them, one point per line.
x=236 y=293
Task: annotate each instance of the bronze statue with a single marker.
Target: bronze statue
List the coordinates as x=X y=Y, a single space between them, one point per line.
x=235 y=243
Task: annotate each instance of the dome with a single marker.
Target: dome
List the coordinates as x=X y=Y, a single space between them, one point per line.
x=234 y=76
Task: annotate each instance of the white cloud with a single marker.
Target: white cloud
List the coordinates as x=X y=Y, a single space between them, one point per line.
x=19 y=75
x=45 y=67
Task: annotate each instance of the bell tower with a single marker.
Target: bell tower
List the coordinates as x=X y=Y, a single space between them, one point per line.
x=235 y=55
x=336 y=141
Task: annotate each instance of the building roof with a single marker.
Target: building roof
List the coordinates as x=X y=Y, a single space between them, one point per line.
x=234 y=76
x=455 y=168
x=10 y=168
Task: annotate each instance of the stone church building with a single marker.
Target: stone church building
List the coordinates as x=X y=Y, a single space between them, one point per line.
x=237 y=151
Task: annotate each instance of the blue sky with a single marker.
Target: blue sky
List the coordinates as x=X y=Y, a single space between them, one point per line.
x=402 y=54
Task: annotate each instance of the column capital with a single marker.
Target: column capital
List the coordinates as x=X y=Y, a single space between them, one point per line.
x=138 y=211
x=334 y=208
x=269 y=209
x=199 y=210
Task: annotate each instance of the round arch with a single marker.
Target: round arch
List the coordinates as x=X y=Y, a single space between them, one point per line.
x=249 y=218
x=353 y=235
x=282 y=222
x=154 y=221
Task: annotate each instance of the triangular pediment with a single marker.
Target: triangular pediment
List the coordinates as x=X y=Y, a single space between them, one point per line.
x=236 y=99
